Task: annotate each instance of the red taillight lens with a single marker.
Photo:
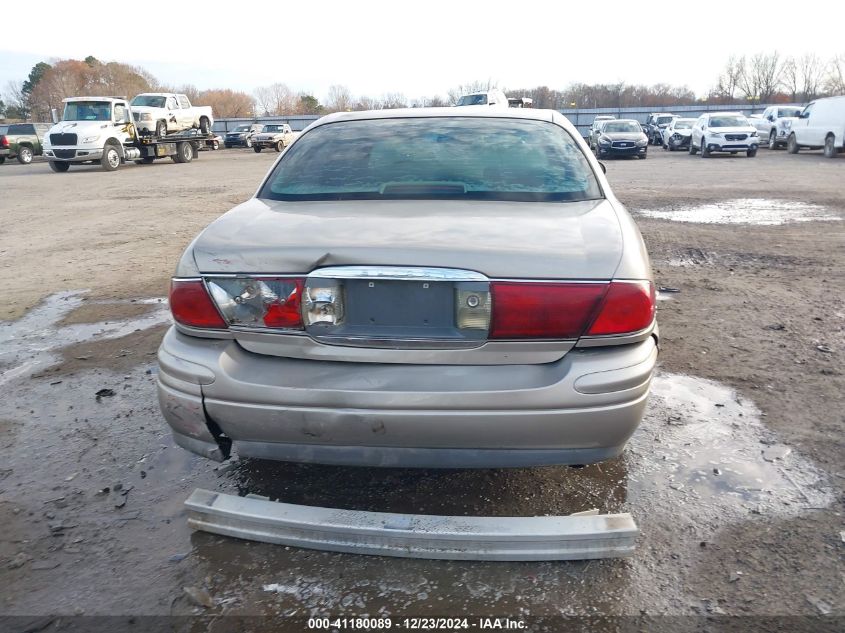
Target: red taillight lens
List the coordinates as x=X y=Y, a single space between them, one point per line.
x=259 y=302
x=4 y=142
x=287 y=312
x=543 y=310
x=628 y=307
x=191 y=305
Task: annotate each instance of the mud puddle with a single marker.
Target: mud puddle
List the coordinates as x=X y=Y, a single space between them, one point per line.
x=756 y=211
x=30 y=343
x=92 y=491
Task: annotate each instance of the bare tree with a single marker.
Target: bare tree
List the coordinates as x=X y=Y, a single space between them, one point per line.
x=835 y=83
x=811 y=70
x=228 y=103
x=276 y=99
x=789 y=78
x=366 y=103
x=16 y=99
x=393 y=100
x=339 y=99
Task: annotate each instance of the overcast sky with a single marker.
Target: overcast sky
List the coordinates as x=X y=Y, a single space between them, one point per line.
x=421 y=48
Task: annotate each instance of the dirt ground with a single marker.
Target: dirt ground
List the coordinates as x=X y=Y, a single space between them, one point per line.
x=735 y=478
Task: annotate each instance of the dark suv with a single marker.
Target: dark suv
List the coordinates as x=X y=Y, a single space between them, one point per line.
x=22 y=141
x=242 y=135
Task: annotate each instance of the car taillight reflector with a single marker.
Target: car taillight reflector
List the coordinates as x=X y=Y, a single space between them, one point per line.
x=4 y=142
x=543 y=310
x=191 y=305
x=628 y=307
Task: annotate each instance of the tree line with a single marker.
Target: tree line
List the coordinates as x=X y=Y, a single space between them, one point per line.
x=763 y=78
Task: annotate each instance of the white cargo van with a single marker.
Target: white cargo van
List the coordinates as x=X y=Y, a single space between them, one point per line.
x=820 y=125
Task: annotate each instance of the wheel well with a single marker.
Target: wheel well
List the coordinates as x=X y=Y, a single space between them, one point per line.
x=115 y=142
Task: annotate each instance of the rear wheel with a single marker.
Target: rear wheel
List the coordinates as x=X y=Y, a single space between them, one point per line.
x=161 y=129
x=205 y=125
x=111 y=158
x=215 y=145
x=280 y=146
x=692 y=149
x=792 y=144
x=257 y=149
x=59 y=167
x=705 y=153
x=248 y=142
x=184 y=152
x=830 y=147
x=24 y=154
x=751 y=153
x=773 y=140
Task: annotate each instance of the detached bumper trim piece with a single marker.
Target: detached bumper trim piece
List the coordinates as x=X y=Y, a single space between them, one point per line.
x=575 y=537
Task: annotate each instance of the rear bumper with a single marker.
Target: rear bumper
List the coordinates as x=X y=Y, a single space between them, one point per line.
x=578 y=410
x=5 y=152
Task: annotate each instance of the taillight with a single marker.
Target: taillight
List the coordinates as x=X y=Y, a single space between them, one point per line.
x=548 y=310
x=191 y=305
x=263 y=302
x=542 y=310
x=4 y=142
x=627 y=307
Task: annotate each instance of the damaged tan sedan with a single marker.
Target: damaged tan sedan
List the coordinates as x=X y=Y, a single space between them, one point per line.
x=424 y=288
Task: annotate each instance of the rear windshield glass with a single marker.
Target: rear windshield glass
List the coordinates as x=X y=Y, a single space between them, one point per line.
x=683 y=125
x=21 y=128
x=272 y=128
x=468 y=100
x=243 y=128
x=621 y=127
x=150 y=101
x=87 y=111
x=428 y=158
x=789 y=112
x=664 y=119
x=728 y=121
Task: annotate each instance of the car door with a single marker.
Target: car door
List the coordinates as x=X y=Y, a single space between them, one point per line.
x=122 y=123
x=185 y=114
x=698 y=131
x=801 y=126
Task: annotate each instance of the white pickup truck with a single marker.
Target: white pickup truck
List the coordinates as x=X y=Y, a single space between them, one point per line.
x=273 y=135
x=161 y=113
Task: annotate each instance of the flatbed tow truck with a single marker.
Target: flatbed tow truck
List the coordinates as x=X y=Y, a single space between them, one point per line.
x=102 y=130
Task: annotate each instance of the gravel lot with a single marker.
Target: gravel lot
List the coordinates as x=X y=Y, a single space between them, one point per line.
x=736 y=477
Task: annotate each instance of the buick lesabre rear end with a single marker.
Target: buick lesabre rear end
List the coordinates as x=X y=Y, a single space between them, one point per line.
x=416 y=288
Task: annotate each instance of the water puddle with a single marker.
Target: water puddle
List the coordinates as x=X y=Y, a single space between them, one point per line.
x=29 y=344
x=757 y=211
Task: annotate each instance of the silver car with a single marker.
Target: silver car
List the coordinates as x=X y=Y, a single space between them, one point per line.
x=446 y=287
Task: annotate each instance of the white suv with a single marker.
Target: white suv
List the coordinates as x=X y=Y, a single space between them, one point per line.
x=723 y=132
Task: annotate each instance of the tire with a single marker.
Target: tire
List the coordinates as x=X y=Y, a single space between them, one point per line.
x=24 y=154
x=58 y=167
x=751 y=153
x=792 y=144
x=830 y=146
x=773 y=140
x=215 y=145
x=205 y=126
x=643 y=157
x=257 y=149
x=692 y=150
x=280 y=146
x=161 y=129
x=248 y=142
x=111 y=157
x=705 y=153
x=184 y=152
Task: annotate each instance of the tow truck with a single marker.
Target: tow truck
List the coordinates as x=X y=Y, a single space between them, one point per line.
x=102 y=130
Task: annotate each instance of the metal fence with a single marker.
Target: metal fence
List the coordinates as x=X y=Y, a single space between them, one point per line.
x=581 y=118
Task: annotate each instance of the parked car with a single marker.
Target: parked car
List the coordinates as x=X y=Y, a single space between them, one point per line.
x=242 y=135
x=22 y=141
x=493 y=97
x=622 y=137
x=273 y=135
x=676 y=135
x=771 y=125
x=654 y=124
x=416 y=288
x=595 y=128
x=820 y=125
x=723 y=132
x=161 y=113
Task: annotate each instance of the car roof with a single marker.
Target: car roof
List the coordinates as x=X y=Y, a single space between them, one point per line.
x=93 y=98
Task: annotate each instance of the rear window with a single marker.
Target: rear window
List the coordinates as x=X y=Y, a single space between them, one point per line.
x=728 y=121
x=621 y=127
x=21 y=128
x=434 y=158
x=468 y=100
x=150 y=101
